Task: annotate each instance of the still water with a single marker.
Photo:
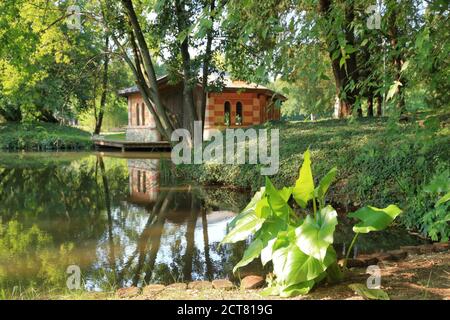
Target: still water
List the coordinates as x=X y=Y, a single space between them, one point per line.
x=123 y=219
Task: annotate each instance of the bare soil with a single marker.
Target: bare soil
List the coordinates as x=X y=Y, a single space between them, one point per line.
x=418 y=277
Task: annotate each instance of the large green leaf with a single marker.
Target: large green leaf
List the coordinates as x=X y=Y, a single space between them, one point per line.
x=270 y=291
x=304 y=186
x=292 y=266
x=278 y=200
x=324 y=184
x=252 y=252
x=266 y=253
x=285 y=193
x=268 y=235
x=297 y=289
x=245 y=227
x=374 y=219
x=315 y=235
x=250 y=208
x=262 y=208
x=372 y=294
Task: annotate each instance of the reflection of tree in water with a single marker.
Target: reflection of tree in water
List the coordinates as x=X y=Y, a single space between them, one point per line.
x=62 y=201
x=99 y=219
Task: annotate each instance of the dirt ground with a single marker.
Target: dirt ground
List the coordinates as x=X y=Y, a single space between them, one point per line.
x=418 y=277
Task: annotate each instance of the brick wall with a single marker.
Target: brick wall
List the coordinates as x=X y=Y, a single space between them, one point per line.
x=215 y=111
x=141 y=124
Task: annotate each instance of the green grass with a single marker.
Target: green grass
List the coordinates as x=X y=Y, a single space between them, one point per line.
x=38 y=136
x=379 y=162
x=115 y=136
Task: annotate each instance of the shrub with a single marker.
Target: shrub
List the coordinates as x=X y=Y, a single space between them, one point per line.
x=299 y=244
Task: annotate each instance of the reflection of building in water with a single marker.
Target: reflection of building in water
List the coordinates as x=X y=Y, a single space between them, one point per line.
x=144 y=180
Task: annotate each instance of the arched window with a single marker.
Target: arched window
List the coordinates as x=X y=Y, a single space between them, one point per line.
x=239 y=113
x=138 y=115
x=143 y=115
x=227 y=113
x=138 y=182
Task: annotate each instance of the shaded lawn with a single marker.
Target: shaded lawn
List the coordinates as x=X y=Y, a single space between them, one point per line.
x=40 y=136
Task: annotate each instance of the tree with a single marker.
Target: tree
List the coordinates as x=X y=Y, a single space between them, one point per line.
x=179 y=28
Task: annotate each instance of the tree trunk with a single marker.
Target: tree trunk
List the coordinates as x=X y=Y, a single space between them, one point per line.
x=379 y=105
x=150 y=86
x=359 y=113
x=206 y=65
x=397 y=60
x=99 y=119
x=143 y=88
x=370 y=105
x=344 y=74
x=189 y=81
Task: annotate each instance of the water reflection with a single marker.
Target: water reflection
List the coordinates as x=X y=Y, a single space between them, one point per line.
x=123 y=220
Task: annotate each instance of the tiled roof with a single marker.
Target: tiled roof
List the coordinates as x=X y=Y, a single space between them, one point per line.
x=228 y=83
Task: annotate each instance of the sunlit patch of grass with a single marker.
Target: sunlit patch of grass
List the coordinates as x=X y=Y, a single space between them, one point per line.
x=115 y=136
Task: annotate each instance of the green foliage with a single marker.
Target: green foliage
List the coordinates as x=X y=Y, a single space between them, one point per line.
x=379 y=162
x=374 y=219
x=304 y=186
x=315 y=236
x=436 y=220
x=29 y=251
x=43 y=136
x=370 y=294
x=49 y=72
x=299 y=244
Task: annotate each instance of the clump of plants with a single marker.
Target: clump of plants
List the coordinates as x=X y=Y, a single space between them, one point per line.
x=436 y=219
x=299 y=242
x=227 y=119
x=238 y=120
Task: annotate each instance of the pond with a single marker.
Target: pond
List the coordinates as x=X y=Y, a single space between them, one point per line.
x=123 y=219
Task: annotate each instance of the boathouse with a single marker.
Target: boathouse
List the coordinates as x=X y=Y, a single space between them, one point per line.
x=239 y=104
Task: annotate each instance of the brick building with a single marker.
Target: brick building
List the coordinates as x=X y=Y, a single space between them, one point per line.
x=239 y=104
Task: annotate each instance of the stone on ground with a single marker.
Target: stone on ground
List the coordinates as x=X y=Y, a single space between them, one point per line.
x=128 y=292
x=152 y=289
x=222 y=284
x=200 y=285
x=177 y=286
x=252 y=282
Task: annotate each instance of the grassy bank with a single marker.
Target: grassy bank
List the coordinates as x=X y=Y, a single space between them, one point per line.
x=39 y=136
x=379 y=163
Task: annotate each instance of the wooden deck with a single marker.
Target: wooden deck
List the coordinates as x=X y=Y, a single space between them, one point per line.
x=122 y=145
